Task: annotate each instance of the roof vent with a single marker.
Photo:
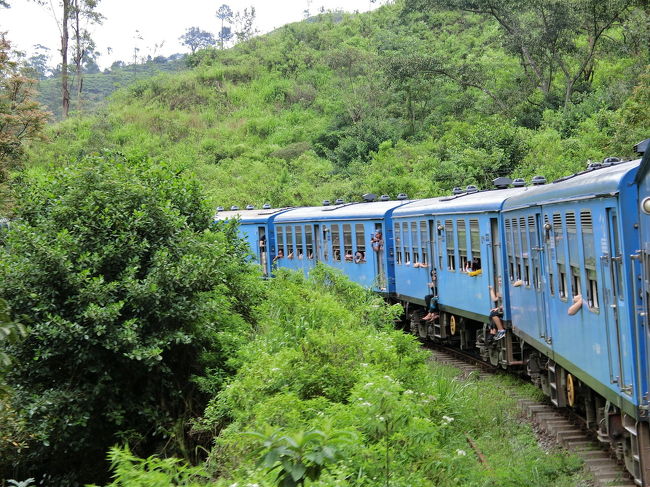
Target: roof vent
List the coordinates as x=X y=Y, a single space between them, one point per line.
x=266 y=206
x=402 y=196
x=234 y=208
x=219 y=208
x=326 y=202
x=642 y=146
x=471 y=189
x=457 y=190
x=369 y=197
x=502 y=183
x=384 y=197
x=594 y=165
x=519 y=183
x=250 y=207
x=339 y=201
x=538 y=180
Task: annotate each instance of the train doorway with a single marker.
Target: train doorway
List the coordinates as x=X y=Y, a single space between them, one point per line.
x=262 y=251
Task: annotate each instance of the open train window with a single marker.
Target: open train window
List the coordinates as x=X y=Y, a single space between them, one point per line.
x=509 y=250
x=441 y=238
x=589 y=256
x=405 y=243
x=289 y=236
x=360 y=255
x=461 y=230
x=336 y=242
x=534 y=254
x=424 y=241
x=525 y=251
x=347 y=242
x=398 y=244
x=414 y=242
x=574 y=252
x=451 y=252
x=309 y=241
x=299 y=240
x=560 y=257
x=475 y=241
x=517 y=247
x=280 y=242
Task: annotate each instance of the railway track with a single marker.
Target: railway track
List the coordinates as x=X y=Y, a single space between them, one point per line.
x=549 y=422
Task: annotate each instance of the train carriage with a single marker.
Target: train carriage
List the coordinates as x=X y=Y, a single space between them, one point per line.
x=256 y=228
x=577 y=239
x=343 y=236
x=461 y=234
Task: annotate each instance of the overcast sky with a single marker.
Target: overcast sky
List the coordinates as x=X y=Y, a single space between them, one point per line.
x=158 y=21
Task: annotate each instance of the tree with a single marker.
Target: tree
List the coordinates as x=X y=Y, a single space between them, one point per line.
x=21 y=117
x=83 y=13
x=38 y=62
x=224 y=13
x=243 y=24
x=550 y=38
x=195 y=39
x=132 y=297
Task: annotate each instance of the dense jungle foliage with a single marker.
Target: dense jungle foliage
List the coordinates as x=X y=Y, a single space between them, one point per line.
x=130 y=326
x=415 y=97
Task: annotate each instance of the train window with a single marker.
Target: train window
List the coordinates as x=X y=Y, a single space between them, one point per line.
x=616 y=258
x=509 y=251
x=360 y=255
x=336 y=242
x=461 y=230
x=424 y=242
x=440 y=229
x=574 y=252
x=517 y=246
x=299 y=240
x=414 y=242
x=451 y=252
x=347 y=242
x=405 y=243
x=398 y=244
x=475 y=240
x=309 y=241
x=525 y=251
x=589 y=255
x=288 y=233
x=534 y=253
x=280 y=243
x=548 y=239
x=560 y=258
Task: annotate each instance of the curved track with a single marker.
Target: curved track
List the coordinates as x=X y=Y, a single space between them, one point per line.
x=557 y=424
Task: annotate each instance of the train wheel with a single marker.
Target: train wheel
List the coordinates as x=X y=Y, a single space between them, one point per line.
x=570 y=390
x=452 y=325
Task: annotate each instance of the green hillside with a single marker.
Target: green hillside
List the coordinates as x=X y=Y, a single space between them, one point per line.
x=402 y=99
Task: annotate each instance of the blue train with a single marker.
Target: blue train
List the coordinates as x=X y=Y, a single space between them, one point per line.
x=563 y=268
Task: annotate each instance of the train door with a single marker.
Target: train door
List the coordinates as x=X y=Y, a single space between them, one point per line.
x=262 y=253
x=496 y=278
x=379 y=255
x=433 y=256
x=537 y=256
x=318 y=245
x=613 y=295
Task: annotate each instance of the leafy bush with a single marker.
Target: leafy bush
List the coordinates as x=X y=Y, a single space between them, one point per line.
x=130 y=294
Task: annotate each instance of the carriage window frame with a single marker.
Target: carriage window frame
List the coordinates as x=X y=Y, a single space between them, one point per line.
x=475 y=240
x=347 y=242
x=525 y=251
x=309 y=241
x=560 y=257
x=360 y=241
x=548 y=241
x=516 y=234
x=461 y=234
x=279 y=241
x=299 y=238
x=509 y=249
x=573 y=246
x=450 y=245
x=415 y=243
x=406 y=244
x=589 y=260
x=535 y=244
x=335 y=233
x=424 y=243
x=397 y=230
x=440 y=230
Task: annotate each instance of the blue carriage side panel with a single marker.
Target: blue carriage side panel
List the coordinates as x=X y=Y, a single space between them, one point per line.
x=584 y=229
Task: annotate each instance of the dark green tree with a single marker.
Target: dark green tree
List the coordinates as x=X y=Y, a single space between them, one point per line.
x=133 y=298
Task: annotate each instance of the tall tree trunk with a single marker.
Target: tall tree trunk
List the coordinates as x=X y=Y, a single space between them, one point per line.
x=79 y=54
x=65 y=92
